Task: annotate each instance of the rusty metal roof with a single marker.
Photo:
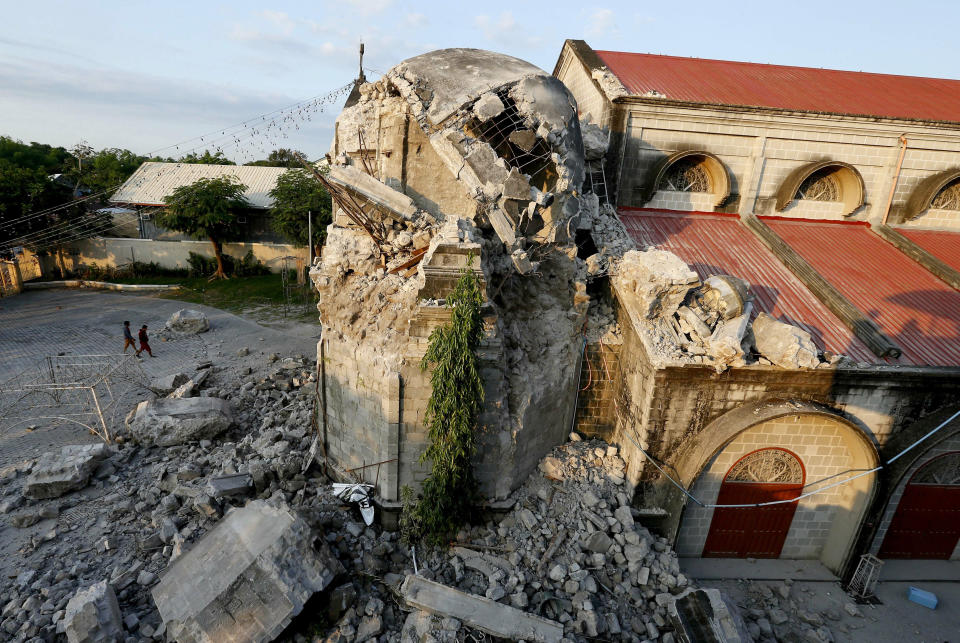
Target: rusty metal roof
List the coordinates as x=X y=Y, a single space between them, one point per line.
x=717 y=243
x=917 y=310
x=152 y=181
x=724 y=82
x=942 y=244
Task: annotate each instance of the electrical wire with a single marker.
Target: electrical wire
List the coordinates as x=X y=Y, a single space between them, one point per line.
x=244 y=133
x=705 y=505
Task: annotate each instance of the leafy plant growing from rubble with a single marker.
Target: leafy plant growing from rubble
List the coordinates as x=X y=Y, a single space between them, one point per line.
x=449 y=494
x=207 y=209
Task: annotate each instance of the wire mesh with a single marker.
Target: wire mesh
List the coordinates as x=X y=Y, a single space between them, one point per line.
x=92 y=391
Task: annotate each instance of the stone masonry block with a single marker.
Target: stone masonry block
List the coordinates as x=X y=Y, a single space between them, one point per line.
x=246 y=579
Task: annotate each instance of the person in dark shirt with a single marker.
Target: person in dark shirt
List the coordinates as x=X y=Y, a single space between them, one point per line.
x=128 y=337
x=144 y=341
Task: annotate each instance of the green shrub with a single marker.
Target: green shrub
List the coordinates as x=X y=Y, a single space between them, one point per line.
x=449 y=496
x=249 y=266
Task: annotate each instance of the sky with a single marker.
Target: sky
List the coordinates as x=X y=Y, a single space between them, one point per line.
x=154 y=77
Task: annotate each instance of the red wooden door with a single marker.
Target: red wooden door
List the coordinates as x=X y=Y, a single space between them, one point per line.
x=927 y=521
x=756 y=532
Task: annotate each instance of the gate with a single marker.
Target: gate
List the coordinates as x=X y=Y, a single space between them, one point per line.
x=927 y=521
x=757 y=532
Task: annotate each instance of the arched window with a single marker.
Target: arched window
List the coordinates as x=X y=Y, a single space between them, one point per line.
x=831 y=181
x=948 y=198
x=944 y=470
x=686 y=175
x=820 y=186
x=693 y=172
x=767 y=465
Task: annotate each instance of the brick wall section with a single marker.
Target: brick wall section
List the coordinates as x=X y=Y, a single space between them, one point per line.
x=818 y=442
x=595 y=400
x=662 y=408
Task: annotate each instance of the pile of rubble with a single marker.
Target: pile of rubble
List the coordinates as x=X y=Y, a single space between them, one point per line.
x=707 y=322
x=233 y=531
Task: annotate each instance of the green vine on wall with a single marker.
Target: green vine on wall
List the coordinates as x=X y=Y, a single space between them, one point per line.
x=449 y=496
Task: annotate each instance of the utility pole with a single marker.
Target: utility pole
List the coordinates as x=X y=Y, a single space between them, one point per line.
x=310 y=239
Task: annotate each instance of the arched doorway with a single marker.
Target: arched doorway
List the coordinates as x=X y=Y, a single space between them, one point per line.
x=762 y=476
x=927 y=521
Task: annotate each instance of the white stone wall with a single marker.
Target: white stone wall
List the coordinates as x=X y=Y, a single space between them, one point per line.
x=111 y=253
x=591 y=103
x=686 y=201
x=820 y=444
x=937 y=219
x=948 y=445
x=760 y=150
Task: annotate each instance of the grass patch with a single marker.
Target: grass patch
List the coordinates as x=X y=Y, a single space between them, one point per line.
x=260 y=297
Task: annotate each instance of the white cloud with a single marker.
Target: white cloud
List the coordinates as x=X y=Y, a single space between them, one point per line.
x=415 y=20
x=280 y=19
x=505 y=31
x=602 y=22
x=370 y=7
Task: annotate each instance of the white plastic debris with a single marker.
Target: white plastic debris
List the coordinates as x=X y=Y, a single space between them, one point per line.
x=358 y=493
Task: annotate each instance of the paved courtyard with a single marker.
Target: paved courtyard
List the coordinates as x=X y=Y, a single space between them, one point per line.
x=38 y=325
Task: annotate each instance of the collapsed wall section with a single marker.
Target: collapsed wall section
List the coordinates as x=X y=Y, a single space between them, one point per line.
x=455 y=160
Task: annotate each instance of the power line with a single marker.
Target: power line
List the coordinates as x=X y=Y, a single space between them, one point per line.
x=237 y=138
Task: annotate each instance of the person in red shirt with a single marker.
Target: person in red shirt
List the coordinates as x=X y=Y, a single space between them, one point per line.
x=144 y=341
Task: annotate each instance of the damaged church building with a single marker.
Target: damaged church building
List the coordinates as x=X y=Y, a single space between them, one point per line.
x=753 y=293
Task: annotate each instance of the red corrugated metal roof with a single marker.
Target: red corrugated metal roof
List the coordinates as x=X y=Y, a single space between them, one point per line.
x=718 y=244
x=726 y=82
x=917 y=310
x=942 y=244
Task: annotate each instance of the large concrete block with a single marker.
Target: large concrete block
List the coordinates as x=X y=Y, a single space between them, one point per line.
x=58 y=472
x=479 y=612
x=244 y=580
x=167 y=422
x=93 y=616
x=187 y=321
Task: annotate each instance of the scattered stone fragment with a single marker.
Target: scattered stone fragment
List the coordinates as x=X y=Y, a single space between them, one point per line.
x=169 y=422
x=93 y=616
x=56 y=473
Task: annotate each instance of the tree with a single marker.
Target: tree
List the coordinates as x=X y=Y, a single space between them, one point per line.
x=206 y=158
x=25 y=191
x=207 y=209
x=295 y=194
x=109 y=168
x=282 y=157
x=449 y=495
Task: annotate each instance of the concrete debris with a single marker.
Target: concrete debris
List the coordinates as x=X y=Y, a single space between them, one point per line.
x=705 y=616
x=610 y=84
x=476 y=611
x=168 y=383
x=169 y=422
x=657 y=280
x=259 y=567
x=93 y=616
x=784 y=345
x=683 y=319
x=595 y=141
x=187 y=321
x=395 y=203
x=58 y=472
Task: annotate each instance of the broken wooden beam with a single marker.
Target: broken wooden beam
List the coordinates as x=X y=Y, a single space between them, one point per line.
x=479 y=612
